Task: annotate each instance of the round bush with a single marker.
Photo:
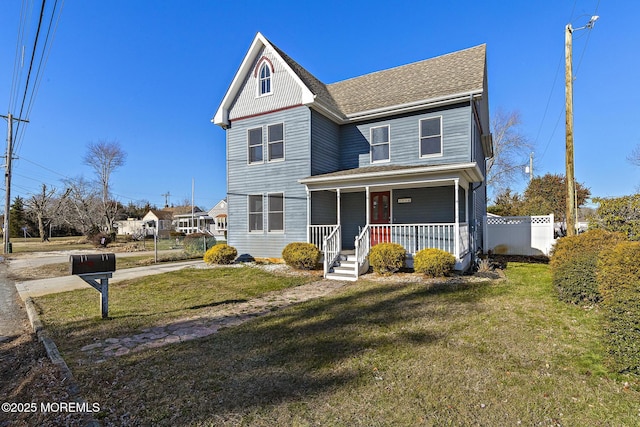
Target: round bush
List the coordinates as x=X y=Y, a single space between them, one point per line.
x=434 y=262
x=300 y=255
x=220 y=254
x=619 y=285
x=573 y=265
x=387 y=257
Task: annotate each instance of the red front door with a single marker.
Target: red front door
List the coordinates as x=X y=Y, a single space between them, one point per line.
x=380 y=211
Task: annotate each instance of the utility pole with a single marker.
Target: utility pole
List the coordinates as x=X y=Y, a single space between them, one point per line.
x=166 y=199
x=571 y=212
x=7 y=181
x=530 y=168
x=570 y=178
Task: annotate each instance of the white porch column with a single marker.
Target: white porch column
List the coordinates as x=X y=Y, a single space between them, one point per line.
x=456 y=234
x=308 y=214
x=338 y=203
x=368 y=204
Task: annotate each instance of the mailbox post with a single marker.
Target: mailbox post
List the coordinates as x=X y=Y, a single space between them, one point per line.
x=94 y=268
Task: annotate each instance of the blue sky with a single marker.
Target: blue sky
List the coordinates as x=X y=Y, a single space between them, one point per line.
x=150 y=74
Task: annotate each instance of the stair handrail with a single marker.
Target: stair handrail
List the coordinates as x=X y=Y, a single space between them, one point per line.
x=362 y=245
x=332 y=245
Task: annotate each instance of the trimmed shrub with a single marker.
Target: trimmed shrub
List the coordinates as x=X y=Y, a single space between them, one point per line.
x=619 y=285
x=198 y=243
x=574 y=263
x=434 y=262
x=300 y=255
x=220 y=254
x=387 y=257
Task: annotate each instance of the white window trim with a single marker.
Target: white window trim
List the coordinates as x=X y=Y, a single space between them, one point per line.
x=269 y=212
x=259 y=94
x=371 y=144
x=249 y=231
x=284 y=151
x=426 y=156
x=249 y=162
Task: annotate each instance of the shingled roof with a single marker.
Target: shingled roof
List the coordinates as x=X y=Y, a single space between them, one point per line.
x=452 y=74
x=443 y=78
x=447 y=75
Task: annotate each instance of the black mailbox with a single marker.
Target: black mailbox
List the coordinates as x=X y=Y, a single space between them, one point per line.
x=90 y=264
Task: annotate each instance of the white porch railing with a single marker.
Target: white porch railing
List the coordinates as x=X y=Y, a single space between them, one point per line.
x=362 y=245
x=317 y=233
x=332 y=245
x=415 y=237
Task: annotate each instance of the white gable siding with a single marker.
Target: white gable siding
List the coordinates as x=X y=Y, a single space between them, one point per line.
x=286 y=92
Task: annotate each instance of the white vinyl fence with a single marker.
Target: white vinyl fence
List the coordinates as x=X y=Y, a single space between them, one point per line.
x=518 y=235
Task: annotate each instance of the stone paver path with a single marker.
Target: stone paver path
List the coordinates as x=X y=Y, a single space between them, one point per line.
x=207 y=323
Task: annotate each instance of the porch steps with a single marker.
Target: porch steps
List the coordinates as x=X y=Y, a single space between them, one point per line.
x=345 y=268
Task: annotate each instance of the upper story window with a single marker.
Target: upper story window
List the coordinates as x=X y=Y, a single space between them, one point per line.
x=264 y=79
x=275 y=137
x=431 y=137
x=255 y=145
x=380 y=144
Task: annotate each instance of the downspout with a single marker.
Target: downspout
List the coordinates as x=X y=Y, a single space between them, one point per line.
x=306 y=188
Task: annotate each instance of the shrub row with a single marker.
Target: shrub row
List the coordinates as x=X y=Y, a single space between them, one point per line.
x=603 y=267
x=574 y=263
x=387 y=258
x=619 y=285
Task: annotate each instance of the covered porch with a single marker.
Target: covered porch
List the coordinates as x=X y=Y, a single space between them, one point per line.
x=416 y=207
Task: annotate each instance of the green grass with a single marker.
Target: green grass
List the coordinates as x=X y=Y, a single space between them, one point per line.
x=74 y=317
x=374 y=354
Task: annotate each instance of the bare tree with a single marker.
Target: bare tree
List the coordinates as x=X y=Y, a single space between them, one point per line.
x=46 y=207
x=511 y=151
x=82 y=207
x=105 y=157
x=634 y=157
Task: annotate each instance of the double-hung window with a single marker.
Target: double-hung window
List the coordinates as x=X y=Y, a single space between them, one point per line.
x=275 y=202
x=275 y=137
x=264 y=80
x=379 y=144
x=255 y=213
x=431 y=137
x=255 y=145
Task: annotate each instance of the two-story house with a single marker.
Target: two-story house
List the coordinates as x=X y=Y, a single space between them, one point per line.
x=396 y=155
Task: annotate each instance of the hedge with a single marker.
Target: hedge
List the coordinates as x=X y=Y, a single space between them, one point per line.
x=574 y=262
x=619 y=284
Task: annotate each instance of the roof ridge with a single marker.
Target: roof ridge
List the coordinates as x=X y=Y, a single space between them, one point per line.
x=457 y=52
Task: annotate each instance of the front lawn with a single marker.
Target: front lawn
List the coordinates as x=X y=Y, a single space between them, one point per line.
x=375 y=353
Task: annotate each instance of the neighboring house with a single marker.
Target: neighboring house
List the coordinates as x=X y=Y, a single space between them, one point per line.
x=158 y=220
x=397 y=155
x=195 y=221
x=129 y=227
x=219 y=214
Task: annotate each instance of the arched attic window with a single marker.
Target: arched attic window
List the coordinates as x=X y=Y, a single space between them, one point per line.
x=264 y=77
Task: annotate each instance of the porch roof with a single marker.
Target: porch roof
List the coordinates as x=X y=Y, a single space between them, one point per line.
x=394 y=175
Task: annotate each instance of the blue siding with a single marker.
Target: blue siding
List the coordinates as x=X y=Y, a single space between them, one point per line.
x=352 y=216
x=428 y=205
x=404 y=136
x=324 y=207
x=268 y=177
x=325 y=143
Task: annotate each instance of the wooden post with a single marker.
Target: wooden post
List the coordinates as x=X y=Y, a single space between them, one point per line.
x=104 y=297
x=570 y=177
